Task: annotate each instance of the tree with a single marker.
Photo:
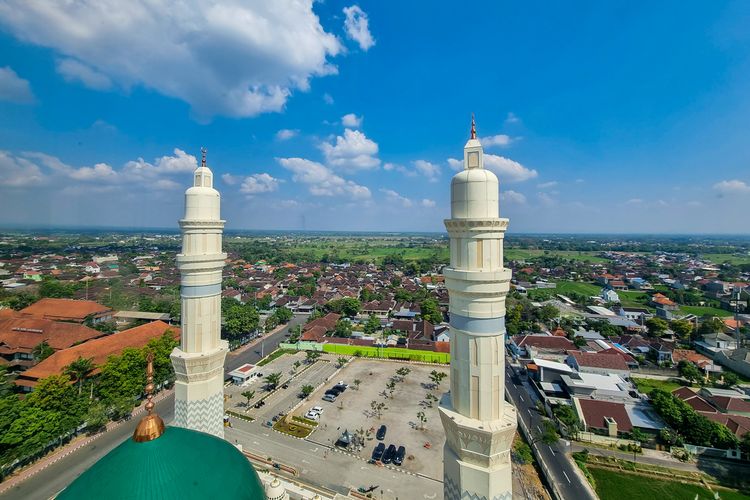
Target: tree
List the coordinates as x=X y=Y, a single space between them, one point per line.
x=306 y=390
x=548 y=435
x=422 y=419
x=682 y=328
x=430 y=311
x=356 y=383
x=283 y=314
x=378 y=407
x=96 y=417
x=730 y=379
x=638 y=435
x=391 y=386
x=403 y=371
x=248 y=395
x=239 y=319
x=579 y=341
x=710 y=325
x=312 y=356
x=689 y=371
x=272 y=380
x=347 y=306
x=656 y=326
x=547 y=313
x=42 y=351
x=436 y=377
x=79 y=369
x=372 y=325
x=342 y=329
x=342 y=361
x=21 y=300
x=123 y=377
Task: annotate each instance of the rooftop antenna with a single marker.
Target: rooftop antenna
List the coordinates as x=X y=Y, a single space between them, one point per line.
x=473 y=127
x=203 y=156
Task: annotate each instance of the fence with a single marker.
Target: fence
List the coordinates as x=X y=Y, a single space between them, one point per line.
x=713 y=452
x=372 y=352
x=590 y=437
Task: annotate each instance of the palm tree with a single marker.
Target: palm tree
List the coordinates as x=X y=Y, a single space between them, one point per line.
x=79 y=369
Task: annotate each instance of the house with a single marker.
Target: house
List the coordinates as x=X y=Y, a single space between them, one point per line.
x=98 y=350
x=318 y=328
x=541 y=346
x=659 y=300
x=19 y=335
x=379 y=308
x=699 y=360
x=76 y=311
x=737 y=360
x=597 y=363
x=727 y=400
x=609 y=295
x=714 y=343
x=609 y=417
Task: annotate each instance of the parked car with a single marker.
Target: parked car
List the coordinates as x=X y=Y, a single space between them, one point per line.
x=312 y=415
x=389 y=453
x=340 y=387
x=398 y=459
x=380 y=435
x=329 y=397
x=317 y=409
x=377 y=453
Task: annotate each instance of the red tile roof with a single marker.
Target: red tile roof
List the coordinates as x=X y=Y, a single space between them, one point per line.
x=328 y=322
x=98 y=349
x=544 y=342
x=65 y=309
x=22 y=334
x=594 y=412
x=696 y=402
x=739 y=425
x=599 y=360
x=731 y=404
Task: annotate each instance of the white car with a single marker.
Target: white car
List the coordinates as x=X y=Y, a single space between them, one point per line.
x=316 y=409
x=312 y=415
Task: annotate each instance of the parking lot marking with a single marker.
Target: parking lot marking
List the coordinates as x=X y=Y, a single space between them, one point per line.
x=550 y=449
x=566 y=477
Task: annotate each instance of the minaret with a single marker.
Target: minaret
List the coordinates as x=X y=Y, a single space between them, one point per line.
x=199 y=361
x=479 y=424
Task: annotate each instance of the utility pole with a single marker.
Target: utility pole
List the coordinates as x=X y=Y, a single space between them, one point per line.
x=737 y=293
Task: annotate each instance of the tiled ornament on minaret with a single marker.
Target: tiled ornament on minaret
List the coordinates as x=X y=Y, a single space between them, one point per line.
x=479 y=424
x=199 y=361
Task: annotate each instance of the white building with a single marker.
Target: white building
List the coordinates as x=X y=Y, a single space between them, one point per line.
x=479 y=424
x=199 y=361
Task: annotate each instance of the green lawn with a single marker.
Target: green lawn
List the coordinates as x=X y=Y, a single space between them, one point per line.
x=720 y=258
x=646 y=385
x=388 y=352
x=701 y=311
x=634 y=298
x=614 y=485
x=588 y=289
x=522 y=254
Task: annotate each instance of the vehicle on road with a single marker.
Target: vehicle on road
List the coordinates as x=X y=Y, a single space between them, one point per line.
x=329 y=397
x=389 y=453
x=398 y=459
x=380 y=435
x=377 y=453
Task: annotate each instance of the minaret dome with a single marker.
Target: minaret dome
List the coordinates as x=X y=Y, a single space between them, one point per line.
x=202 y=201
x=474 y=190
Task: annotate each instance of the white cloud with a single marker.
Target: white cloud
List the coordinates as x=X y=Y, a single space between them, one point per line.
x=511 y=118
x=286 y=134
x=634 y=201
x=546 y=185
x=259 y=183
x=327 y=98
x=393 y=197
x=501 y=140
x=230 y=179
x=321 y=181
x=508 y=170
x=427 y=203
x=427 y=169
x=13 y=88
x=455 y=164
x=513 y=197
x=73 y=70
x=135 y=172
x=18 y=172
x=390 y=166
x=351 y=120
x=545 y=199
x=229 y=58
x=351 y=152
x=732 y=187
x=357 y=28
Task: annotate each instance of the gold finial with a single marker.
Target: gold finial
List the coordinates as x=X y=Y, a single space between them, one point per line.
x=203 y=156
x=473 y=127
x=151 y=426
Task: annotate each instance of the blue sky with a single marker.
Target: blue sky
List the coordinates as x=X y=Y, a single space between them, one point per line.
x=596 y=116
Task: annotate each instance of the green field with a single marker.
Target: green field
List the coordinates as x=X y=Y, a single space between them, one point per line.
x=521 y=254
x=588 y=289
x=614 y=485
x=646 y=385
x=701 y=311
x=388 y=353
x=721 y=258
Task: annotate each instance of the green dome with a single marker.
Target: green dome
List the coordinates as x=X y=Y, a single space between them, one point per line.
x=181 y=464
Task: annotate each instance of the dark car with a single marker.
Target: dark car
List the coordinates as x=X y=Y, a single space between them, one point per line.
x=398 y=459
x=340 y=387
x=389 y=453
x=377 y=453
x=380 y=435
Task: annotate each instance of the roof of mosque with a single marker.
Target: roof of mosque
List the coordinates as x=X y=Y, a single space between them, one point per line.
x=180 y=464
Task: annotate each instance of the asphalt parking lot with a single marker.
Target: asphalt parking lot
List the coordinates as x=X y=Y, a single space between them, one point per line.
x=352 y=411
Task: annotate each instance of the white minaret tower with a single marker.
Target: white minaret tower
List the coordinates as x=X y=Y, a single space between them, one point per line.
x=199 y=361
x=479 y=424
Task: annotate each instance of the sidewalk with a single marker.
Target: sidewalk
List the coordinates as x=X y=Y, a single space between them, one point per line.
x=257 y=340
x=651 y=457
x=73 y=446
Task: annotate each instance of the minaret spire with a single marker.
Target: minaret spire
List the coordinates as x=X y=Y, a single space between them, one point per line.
x=203 y=157
x=473 y=127
x=151 y=426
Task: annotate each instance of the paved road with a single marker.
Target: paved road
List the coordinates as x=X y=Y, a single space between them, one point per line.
x=264 y=346
x=58 y=475
x=554 y=456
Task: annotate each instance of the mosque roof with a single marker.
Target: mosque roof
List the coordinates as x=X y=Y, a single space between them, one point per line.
x=180 y=464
